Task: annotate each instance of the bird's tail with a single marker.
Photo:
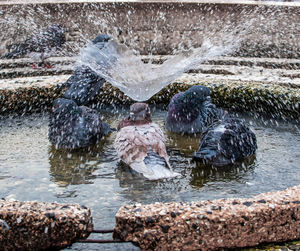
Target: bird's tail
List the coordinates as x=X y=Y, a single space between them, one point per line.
x=154 y=167
x=107 y=129
x=15 y=51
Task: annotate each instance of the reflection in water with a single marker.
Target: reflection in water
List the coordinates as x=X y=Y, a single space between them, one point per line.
x=186 y=145
x=202 y=174
x=134 y=184
x=194 y=176
x=69 y=167
x=138 y=189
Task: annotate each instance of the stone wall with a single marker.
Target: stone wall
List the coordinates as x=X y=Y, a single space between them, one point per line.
x=212 y=225
x=160 y=27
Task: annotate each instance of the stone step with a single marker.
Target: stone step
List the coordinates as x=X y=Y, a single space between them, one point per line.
x=31 y=72
x=271 y=27
x=221 y=68
x=272 y=63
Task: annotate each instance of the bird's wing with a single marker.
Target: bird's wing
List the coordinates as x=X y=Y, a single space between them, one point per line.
x=240 y=138
x=133 y=142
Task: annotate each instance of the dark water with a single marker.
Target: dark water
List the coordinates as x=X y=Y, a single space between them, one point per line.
x=30 y=169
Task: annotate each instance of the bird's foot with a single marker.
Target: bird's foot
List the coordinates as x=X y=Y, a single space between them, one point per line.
x=35 y=66
x=48 y=65
x=38 y=66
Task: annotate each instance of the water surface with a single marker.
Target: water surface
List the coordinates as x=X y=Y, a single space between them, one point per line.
x=31 y=169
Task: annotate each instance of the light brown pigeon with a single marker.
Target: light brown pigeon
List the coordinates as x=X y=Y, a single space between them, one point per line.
x=140 y=143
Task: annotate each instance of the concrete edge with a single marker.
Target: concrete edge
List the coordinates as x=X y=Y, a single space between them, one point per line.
x=211 y=225
x=38 y=225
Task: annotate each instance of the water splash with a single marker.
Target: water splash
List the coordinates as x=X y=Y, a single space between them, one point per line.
x=140 y=81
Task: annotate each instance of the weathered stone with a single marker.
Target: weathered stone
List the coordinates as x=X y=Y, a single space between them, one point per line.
x=39 y=225
x=177 y=23
x=266 y=219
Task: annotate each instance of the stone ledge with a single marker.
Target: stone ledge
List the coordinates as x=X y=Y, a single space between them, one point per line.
x=211 y=225
x=24 y=95
x=279 y=101
x=273 y=63
x=39 y=225
x=276 y=71
x=36 y=94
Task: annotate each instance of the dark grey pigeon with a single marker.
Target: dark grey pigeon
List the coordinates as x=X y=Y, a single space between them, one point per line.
x=41 y=44
x=192 y=111
x=84 y=84
x=227 y=142
x=72 y=126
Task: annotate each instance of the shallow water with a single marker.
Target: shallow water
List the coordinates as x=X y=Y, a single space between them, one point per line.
x=30 y=169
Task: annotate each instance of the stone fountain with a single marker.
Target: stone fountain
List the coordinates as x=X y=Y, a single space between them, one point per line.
x=260 y=73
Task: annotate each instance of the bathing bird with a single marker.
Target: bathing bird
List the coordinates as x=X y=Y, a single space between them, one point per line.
x=40 y=45
x=140 y=144
x=192 y=111
x=226 y=142
x=84 y=84
x=72 y=126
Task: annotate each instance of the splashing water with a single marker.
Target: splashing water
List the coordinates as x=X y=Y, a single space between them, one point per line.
x=140 y=81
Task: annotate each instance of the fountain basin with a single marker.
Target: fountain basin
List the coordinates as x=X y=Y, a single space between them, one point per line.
x=31 y=169
x=82 y=176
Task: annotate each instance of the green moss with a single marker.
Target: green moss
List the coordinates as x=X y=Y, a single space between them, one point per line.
x=279 y=101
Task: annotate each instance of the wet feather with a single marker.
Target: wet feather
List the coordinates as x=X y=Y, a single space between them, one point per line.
x=142 y=146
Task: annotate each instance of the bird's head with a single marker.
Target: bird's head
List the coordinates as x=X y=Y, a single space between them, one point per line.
x=194 y=96
x=56 y=28
x=56 y=32
x=101 y=38
x=139 y=112
x=190 y=102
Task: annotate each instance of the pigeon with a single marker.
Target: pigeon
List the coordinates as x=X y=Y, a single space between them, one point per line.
x=72 y=126
x=41 y=44
x=84 y=84
x=140 y=144
x=192 y=111
x=228 y=141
